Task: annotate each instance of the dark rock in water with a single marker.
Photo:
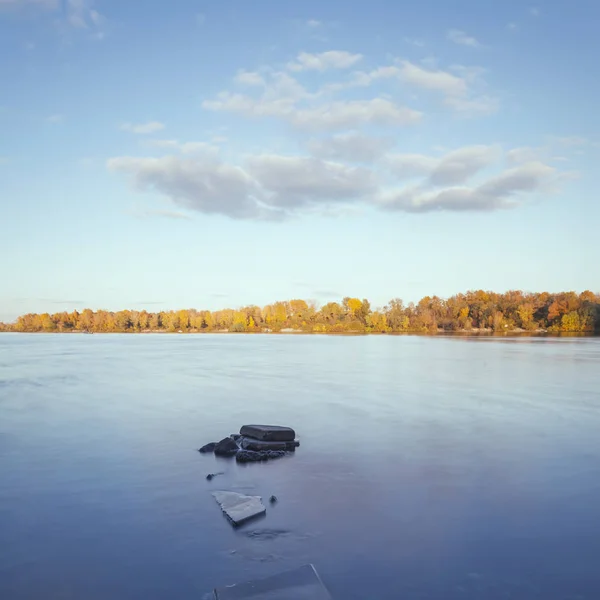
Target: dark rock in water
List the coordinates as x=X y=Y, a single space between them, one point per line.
x=244 y=456
x=208 y=448
x=226 y=447
x=269 y=433
x=235 y=437
x=210 y=476
x=248 y=443
x=275 y=453
x=273 y=499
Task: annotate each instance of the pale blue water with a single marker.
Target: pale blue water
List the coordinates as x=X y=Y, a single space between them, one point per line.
x=430 y=468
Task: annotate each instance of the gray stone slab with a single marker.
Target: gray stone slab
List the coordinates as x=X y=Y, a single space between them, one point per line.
x=269 y=433
x=238 y=507
x=248 y=443
x=303 y=583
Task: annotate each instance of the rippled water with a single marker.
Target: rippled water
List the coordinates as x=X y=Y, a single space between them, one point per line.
x=429 y=468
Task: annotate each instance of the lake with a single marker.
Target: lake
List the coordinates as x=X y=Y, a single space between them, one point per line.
x=431 y=468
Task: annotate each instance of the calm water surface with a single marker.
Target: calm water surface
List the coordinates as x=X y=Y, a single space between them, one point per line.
x=430 y=468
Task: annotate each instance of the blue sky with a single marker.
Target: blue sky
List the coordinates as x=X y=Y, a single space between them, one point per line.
x=200 y=154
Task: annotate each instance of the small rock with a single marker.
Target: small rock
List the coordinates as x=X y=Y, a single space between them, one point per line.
x=226 y=447
x=273 y=499
x=210 y=476
x=208 y=448
x=245 y=456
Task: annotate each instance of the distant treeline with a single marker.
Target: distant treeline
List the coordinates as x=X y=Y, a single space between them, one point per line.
x=473 y=311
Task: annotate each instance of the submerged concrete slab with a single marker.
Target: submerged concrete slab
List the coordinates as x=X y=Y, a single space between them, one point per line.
x=303 y=583
x=238 y=507
x=269 y=433
x=248 y=443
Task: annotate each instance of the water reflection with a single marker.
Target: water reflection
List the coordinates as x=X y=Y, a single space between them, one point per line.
x=428 y=468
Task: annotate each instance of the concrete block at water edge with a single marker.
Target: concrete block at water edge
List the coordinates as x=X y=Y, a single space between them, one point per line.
x=248 y=443
x=269 y=433
x=303 y=583
x=238 y=507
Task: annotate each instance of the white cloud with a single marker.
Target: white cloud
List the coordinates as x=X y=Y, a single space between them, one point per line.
x=346 y=114
x=460 y=37
x=282 y=93
x=199 y=184
x=512 y=27
x=313 y=23
x=436 y=80
x=80 y=14
x=292 y=182
x=279 y=96
x=415 y=75
x=534 y=11
x=55 y=119
x=569 y=141
x=479 y=105
x=555 y=149
x=143 y=128
x=184 y=147
x=272 y=186
x=500 y=192
x=200 y=19
x=352 y=146
x=452 y=168
x=457 y=86
x=333 y=59
x=524 y=154
x=249 y=78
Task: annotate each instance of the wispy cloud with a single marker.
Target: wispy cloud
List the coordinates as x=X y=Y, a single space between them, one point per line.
x=81 y=14
x=184 y=147
x=332 y=59
x=504 y=191
x=314 y=23
x=143 y=128
x=534 y=11
x=54 y=119
x=460 y=37
x=272 y=186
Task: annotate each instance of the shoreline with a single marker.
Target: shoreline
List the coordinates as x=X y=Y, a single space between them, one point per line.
x=474 y=333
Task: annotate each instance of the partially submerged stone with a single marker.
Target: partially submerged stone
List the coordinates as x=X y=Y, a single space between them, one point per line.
x=226 y=447
x=303 y=583
x=248 y=443
x=238 y=507
x=269 y=433
x=244 y=456
x=210 y=447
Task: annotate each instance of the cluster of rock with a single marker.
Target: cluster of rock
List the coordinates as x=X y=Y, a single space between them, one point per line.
x=255 y=443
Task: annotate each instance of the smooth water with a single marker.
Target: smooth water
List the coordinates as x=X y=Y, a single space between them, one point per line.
x=429 y=468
